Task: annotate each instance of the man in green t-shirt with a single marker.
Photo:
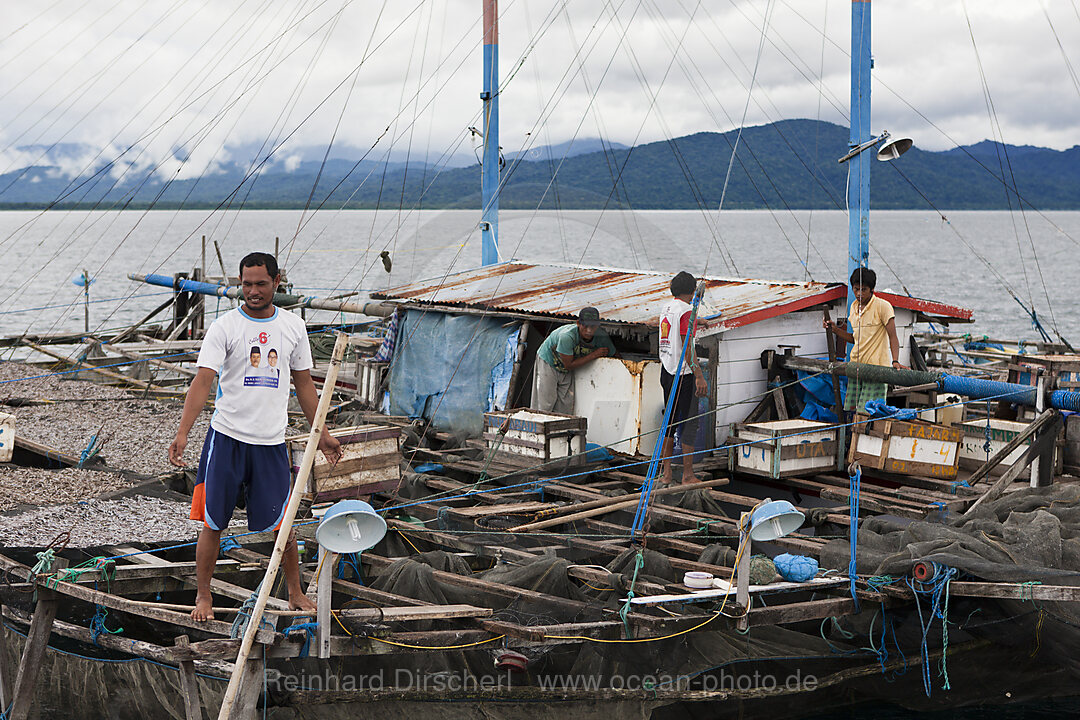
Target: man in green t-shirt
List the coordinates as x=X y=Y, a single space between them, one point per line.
x=565 y=349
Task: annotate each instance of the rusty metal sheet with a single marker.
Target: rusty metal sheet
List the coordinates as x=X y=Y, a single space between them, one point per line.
x=624 y=296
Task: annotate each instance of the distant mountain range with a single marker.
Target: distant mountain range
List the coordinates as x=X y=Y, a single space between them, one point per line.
x=787 y=164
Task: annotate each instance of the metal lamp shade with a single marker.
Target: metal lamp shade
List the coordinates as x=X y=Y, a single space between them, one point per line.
x=350 y=526
x=773 y=520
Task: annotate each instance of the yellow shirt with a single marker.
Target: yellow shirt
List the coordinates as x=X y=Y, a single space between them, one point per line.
x=868 y=326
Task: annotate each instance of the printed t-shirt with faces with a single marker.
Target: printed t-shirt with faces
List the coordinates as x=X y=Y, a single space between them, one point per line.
x=254 y=359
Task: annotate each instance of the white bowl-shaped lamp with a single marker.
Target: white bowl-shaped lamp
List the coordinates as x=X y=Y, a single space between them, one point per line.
x=350 y=526
x=894 y=149
x=774 y=519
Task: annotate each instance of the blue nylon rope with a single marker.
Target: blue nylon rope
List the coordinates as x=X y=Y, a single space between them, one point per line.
x=80 y=301
x=854 y=482
x=658 y=449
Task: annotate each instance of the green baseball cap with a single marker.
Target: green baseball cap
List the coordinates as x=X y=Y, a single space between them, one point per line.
x=589 y=316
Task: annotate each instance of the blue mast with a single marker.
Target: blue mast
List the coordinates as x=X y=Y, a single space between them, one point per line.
x=489 y=183
x=859 y=167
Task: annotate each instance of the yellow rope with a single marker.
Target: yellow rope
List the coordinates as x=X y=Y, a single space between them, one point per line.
x=438 y=647
x=318 y=568
x=586 y=584
x=738 y=559
x=406 y=539
x=1038 y=633
x=635 y=640
x=417 y=647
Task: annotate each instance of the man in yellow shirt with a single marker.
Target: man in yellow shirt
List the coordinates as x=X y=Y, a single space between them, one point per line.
x=873 y=334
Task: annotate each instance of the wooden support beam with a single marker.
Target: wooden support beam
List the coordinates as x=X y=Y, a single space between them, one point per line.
x=998 y=457
x=587 y=573
x=220 y=587
x=592 y=508
x=196 y=309
x=683 y=518
x=7 y=679
x=51 y=454
x=610 y=548
x=349 y=588
x=122 y=643
x=496 y=589
x=402 y=614
x=249 y=688
x=800 y=611
x=1015 y=591
x=115 y=602
x=1047 y=436
x=189 y=684
x=608 y=629
x=33 y=655
x=341 y=645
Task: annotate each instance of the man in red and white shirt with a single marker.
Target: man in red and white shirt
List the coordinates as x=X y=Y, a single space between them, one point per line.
x=674 y=327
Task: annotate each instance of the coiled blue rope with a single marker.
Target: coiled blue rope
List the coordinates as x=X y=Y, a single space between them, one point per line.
x=243 y=616
x=229 y=543
x=309 y=629
x=97 y=624
x=350 y=560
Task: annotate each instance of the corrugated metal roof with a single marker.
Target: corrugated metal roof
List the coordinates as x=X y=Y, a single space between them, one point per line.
x=626 y=296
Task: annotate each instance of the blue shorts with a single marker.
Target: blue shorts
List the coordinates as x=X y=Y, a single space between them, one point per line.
x=230 y=469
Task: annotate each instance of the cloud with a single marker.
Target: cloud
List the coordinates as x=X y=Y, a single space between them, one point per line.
x=291 y=163
x=168 y=90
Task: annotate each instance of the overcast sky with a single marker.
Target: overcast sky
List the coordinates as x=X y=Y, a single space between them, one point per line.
x=188 y=79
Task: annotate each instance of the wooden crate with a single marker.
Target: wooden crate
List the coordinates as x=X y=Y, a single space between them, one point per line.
x=370 y=382
x=906 y=447
x=527 y=436
x=1062 y=371
x=973 y=452
x=7 y=437
x=370 y=462
x=782 y=448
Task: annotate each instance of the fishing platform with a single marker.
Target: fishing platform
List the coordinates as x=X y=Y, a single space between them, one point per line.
x=517 y=560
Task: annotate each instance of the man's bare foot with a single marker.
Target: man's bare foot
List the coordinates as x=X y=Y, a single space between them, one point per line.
x=691 y=480
x=204 y=609
x=302 y=602
x=665 y=478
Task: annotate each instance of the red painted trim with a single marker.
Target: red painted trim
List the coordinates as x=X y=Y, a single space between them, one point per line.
x=829 y=295
x=929 y=307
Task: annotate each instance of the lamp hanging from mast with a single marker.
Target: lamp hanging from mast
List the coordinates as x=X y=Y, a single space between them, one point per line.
x=891 y=150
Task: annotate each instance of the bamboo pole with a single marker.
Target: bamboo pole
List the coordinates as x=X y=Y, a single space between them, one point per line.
x=286 y=526
x=605 y=505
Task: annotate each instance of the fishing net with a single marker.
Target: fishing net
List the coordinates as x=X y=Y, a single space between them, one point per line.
x=1029 y=537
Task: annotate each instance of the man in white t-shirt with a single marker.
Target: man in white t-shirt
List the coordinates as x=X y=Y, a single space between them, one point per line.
x=674 y=327
x=253 y=351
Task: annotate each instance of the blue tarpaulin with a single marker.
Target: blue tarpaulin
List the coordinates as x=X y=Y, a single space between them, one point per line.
x=819 y=397
x=451 y=369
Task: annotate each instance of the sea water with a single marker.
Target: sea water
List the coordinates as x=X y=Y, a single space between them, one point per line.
x=985 y=261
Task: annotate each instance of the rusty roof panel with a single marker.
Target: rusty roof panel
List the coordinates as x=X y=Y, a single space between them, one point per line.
x=627 y=296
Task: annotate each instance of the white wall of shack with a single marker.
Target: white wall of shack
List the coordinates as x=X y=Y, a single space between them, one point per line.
x=623 y=402
x=740 y=379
